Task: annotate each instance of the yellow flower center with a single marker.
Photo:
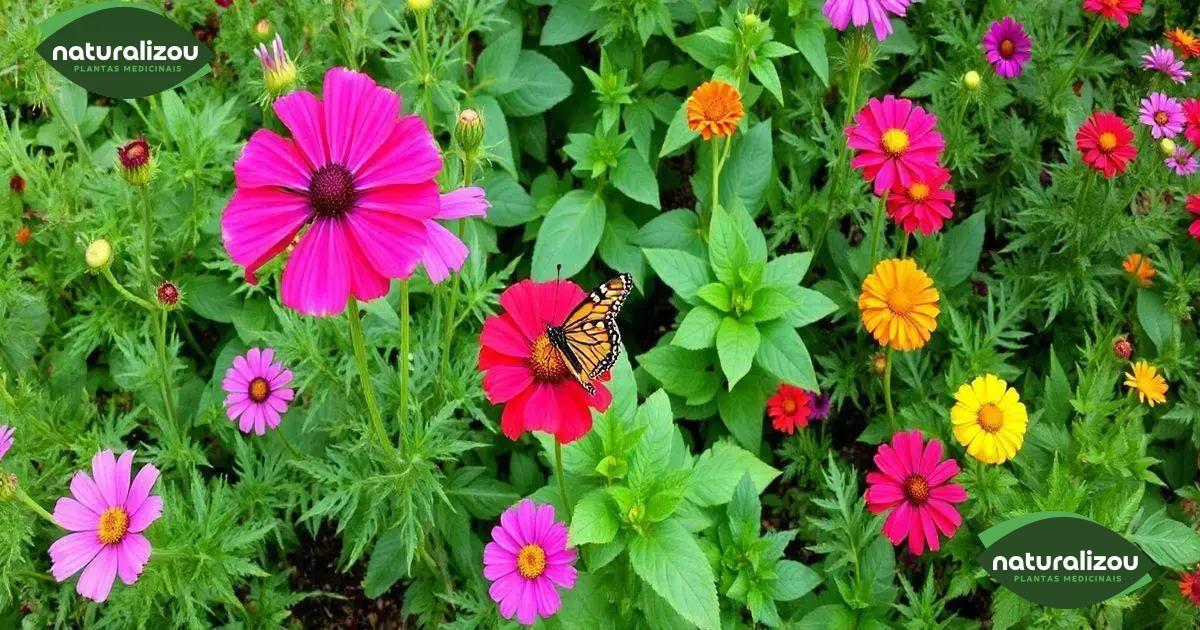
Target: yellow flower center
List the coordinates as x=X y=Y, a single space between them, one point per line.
x=531 y=561
x=895 y=141
x=546 y=361
x=1108 y=141
x=259 y=389
x=1007 y=48
x=916 y=489
x=918 y=191
x=990 y=418
x=789 y=406
x=899 y=301
x=114 y=522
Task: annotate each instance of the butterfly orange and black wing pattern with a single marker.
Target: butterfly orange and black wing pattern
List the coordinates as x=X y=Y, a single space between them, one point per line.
x=588 y=338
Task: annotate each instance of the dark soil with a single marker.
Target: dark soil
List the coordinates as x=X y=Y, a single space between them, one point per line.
x=344 y=606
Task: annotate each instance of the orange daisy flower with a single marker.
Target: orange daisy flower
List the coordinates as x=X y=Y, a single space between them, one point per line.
x=1140 y=268
x=1186 y=44
x=1150 y=386
x=714 y=109
x=899 y=305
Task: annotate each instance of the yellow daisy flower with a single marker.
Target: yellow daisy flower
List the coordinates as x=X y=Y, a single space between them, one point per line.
x=898 y=304
x=989 y=419
x=1150 y=386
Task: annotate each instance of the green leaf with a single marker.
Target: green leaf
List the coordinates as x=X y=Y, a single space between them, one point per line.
x=683 y=272
x=810 y=39
x=682 y=372
x=494 y=69
x=618 y=251
x=764 y=70
x=698 y=330
x=510 y=203
x=745 y=512
x=671 y=562
x=741 y=408
x=674 y=229
x=793 y=581
x=716 y=295
x=1056 y=404
x=770 y=303
x=783 y=354
x=210 y=297
x=569 y=20
x=1154 y=318
x=811 y=306
x=568 y=235
x=749 y=169
x=1168 y=542
x=737 y=342
x=962 y=246
x=679 y=135
x=635 y=178
x=390 y=561
x=495 y=133
x=711 y=48
x=787 y=270
x=718 y=471
x=595 y=519
x=728 y=252
x=542 y=86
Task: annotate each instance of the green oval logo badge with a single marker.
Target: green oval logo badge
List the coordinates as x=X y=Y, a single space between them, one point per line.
x=122 y=50
x=1063 y=560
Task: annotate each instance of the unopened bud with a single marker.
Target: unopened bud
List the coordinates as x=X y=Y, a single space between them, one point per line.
x=16 y=183
x=1122 y=348
x=420 y=5
x=279 y=72
x=98 y=254
x=879 y=364
x=750 y=21
x=1167 y=146
x=167 y=294
x=263 y=31
x=468 y=131
x=136 y=162
x=971 y=80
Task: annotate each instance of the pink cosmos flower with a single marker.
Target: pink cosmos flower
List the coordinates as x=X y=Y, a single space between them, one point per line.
x=1163 y=60
x=925 y=204
x=1116 y=10
x=257 y=390
x=445 y=251
x=106 y=518
x=1193 y=207
x=1163 y=115
x=1191 y=128
x=1181 y=161
x=6 y=439
x=894 y=142
x=352 y=189
x=525 y=372
x=526 y=559
x=912 y=485
x=842 y=12
x=1007 y=47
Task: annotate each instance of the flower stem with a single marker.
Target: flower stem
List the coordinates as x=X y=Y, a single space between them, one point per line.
x=426 y=72
x=877 y=227
x=468 y=165
x=405 y=342
x=288 y=444
x=33 y=505
x=147 y=237
x=562 y=479
x=160 y=321
x=716 y=185
x=364 y=376
x=125 y=293
x=887 y=389
x=339 y=19
x=1099 y=24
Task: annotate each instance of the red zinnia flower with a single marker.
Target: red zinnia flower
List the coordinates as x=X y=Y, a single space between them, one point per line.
x=1193 y=206
x=1191 y=124
x=16 y=183
x=526 y=373
x=789 y=408
x=1189 y=586
x=924 y=204
x=1106 y=143
x=1115 y=10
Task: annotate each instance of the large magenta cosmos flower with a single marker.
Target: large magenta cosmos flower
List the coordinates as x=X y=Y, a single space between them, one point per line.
x=878 y=12
x=523 y=370
x=445 y=251
x=528 y=561
x=353 y=189
x=106 y=519
x=913 y=486
x=893 y=141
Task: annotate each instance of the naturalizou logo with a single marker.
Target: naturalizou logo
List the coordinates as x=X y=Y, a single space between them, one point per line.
x=1063 y=560
x=122 y=50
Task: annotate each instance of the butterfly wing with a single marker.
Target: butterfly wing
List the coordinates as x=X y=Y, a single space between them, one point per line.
x=590 y=340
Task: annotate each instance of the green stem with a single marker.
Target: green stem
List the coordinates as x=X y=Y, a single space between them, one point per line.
x=716 y=179
x=468 y=164
x=125 y=293
x=339 y=19
x=164 y=366
x=904 y=246
x=405 y=344
x=562 y=479
x=288 y=444
x=887 y=389
x=33 y=505
x=854 y=66
x=877 y=227
x=364 y=376
x=147 y=237
x=426 y=71
x=1096 y=27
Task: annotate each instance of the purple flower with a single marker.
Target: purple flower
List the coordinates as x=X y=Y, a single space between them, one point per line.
x=820 y=407
x=258 y=391
x=1007 y=47
x=1163 y=115
x=6 y=439
x=528 y=561
x=1182 y=162
x=1163 y=60
x=842 y=12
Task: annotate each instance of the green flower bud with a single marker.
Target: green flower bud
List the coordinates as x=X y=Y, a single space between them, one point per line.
x=468 y=131
x=971 y=80
x=1167 y=146
x=98 y=254
x=137 y=164
x=420 y=5
x=263 y=31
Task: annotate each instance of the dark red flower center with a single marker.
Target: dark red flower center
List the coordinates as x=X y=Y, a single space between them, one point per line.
x=167 y=294
x=136 y=154
x=1007 y=48
x=916 y=489
x=259 y=389
x=331 y=191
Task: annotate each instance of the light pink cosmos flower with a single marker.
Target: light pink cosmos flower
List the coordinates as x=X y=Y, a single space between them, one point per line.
x=1163 y=60
x=842 y=12
x=446 y=252
x=352 y=189
x=1182 y=162
x=257 y=391
x=894 y=142
x=1163 y=115
x=912 y=485
x=106 y=519
x=6 y=439
x=527 y=557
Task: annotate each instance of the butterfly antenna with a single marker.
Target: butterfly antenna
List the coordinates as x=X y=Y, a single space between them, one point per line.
x=557 y=281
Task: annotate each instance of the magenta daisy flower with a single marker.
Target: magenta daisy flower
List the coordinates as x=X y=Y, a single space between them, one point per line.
x=1163 y=115
x=924 y=204
x=842 y=12
x=527 y=558
x=106 y=518
x=445 y=251
x=1163 y=60
x=352 y=189
x=894 y=142
x=1181 y=161
x=6 y=439
x=1007 y=47
x=257 y=390
x=913 y=486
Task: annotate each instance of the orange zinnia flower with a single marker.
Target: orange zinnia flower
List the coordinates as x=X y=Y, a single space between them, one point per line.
x=714 y=109
x=1140 y=268
x=1186 y=44
x=899 y=305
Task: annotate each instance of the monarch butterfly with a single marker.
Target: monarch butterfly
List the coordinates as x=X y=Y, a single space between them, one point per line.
x=588 y=338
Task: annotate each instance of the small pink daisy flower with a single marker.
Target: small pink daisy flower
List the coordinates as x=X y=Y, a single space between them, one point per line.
x=894 y=142
x=1007 y=47
x=351 y=190
x=1182 y=162
x=446 y=252
x=842 y=12
x=924 y=204
x=1163 y=60
x=106 y=518
x=6 y=439
x=1116 y=10
x=257 y=390
x=1163 y=115
x=526 y=559
x=912 y=485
